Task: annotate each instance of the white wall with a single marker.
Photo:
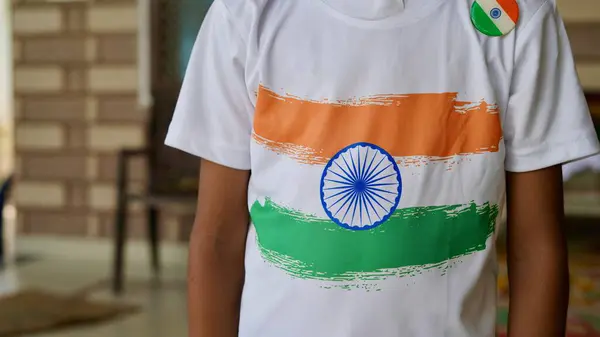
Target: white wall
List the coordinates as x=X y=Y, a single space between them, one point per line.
x=579 y=10
x=584 y=12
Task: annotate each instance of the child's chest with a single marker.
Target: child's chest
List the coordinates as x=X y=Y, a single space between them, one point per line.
x=337 y=61
x=430 y=97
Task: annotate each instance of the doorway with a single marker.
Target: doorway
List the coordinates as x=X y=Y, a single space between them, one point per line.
x=7 y=156
x=6 y=92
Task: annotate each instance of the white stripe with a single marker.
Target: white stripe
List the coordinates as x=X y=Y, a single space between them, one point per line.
x=504 y=22
x=446 y=182
x=263 y=278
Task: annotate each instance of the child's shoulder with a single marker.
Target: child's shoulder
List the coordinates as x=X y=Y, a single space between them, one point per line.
x=244 y=8
x=529 y=8
x=246 y=13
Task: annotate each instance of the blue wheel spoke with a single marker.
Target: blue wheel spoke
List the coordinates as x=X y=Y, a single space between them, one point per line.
x=338 y=188
x=348 y=209
x=375 y=168
x=339 y=182
x=366 y=199
x=345 y=202
x=360 y=208
x=356 y=203
x=382 y=184
x=363 y=200
x=379 y=196
x=345 y=197
x=379 y=179
x=370 y=197
x=380 y=190
x=373 y=176
x=368 y=169
x=341 y=176
x=354 y=165
x=348 y=166
x=362 y=171
x=342 y=192
x=343 y=170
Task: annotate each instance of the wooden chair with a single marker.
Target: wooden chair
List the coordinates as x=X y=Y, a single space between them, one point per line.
x=173 y=175
x=172 y=182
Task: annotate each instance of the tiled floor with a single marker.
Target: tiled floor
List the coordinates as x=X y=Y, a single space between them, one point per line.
x=70 y=266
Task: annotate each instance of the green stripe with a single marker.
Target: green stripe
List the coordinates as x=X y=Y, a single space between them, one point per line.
x=412 y=239
x=483 y=22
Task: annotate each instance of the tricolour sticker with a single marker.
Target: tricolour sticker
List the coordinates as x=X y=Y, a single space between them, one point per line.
x=495 y=17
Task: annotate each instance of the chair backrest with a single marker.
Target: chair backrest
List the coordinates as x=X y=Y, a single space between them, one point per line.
x=175 y=24
x=172 y=172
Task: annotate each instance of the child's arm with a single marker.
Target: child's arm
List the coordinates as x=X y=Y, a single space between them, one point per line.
x=537 y=254
x=216 y=255
x=213 y=121
x=547 y=123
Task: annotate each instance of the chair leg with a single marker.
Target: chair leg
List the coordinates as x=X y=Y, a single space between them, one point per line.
x=153 y=238
x=120 y=224
x=120 y=239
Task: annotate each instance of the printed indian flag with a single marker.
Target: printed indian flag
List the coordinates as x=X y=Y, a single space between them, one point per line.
x=354 y=153
x=495 y=17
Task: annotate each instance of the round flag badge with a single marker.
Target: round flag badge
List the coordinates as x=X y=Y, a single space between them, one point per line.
x=495 y=17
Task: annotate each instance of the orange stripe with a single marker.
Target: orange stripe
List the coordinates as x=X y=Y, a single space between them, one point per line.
x=511 y=7
x=432 y=125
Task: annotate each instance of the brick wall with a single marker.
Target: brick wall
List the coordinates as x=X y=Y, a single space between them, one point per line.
x=76 y=103
x=582 y=18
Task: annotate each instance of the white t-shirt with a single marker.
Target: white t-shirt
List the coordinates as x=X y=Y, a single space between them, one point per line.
x=378 y=145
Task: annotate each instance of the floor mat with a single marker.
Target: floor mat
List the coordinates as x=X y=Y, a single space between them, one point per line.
x=38 y=311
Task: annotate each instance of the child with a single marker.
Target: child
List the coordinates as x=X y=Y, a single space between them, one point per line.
x=356 y=155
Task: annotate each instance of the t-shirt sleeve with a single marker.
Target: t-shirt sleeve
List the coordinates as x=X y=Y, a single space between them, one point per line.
x=547 y=121
x=213 y=117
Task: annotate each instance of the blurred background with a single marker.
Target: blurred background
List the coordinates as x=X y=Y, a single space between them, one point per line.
x=95 y=211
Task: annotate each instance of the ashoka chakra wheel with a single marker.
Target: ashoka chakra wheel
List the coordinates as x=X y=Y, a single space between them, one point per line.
x=361 y=186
